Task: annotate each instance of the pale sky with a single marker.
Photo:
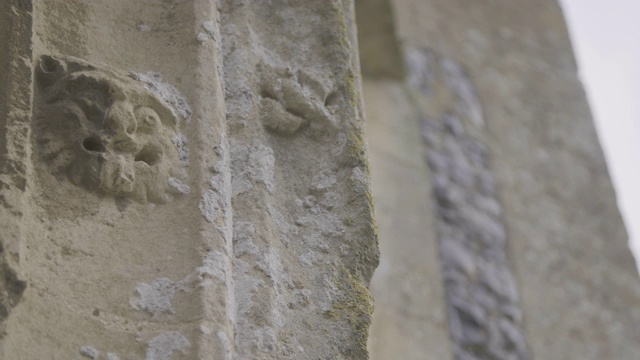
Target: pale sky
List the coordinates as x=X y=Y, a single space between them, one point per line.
x=606 y=40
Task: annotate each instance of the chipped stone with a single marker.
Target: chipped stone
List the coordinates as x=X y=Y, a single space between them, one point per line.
x=164 y=345
x=155 y=298
x=202 y=37
x=323 y=180
x=213 y=266
x=209 y=205
x=89 y=352
x=181 y=143
x=179 y=186
x=253 y=163
x=210 y=27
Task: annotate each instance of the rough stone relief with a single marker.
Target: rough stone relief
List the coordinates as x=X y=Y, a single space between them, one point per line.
x=299 y=177
x=11 y=289
x=485 y=319
x=292 y=101
x=109 y=132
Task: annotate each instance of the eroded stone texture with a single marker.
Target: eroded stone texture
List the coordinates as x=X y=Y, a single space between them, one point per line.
x=290 y=101
x=304 y=237
x=11 y=289
x=155 y=213
x=108 y=133
x=247 y=233
x=109 y=203
x=15 y=104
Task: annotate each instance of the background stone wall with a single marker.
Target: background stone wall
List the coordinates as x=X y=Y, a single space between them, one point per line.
x=533 y=254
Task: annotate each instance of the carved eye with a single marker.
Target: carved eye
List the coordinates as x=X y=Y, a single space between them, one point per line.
x=148 y=120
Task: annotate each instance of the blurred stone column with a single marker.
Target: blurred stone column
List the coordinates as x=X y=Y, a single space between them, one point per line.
x=533 y=252
x=565 y=240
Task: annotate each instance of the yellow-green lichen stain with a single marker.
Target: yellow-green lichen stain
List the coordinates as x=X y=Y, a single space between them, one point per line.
x=355 y=306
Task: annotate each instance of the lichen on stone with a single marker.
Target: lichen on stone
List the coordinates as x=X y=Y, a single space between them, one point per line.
x=353 y=304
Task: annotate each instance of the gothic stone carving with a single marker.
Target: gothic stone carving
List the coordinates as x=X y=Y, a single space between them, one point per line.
x=294 y=101
x=107 y=132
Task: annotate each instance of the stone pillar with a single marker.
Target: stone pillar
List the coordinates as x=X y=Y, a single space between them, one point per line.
x=183 y=180
x=304 y=237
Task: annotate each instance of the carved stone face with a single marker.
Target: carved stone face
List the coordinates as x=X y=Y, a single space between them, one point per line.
x=106 y=132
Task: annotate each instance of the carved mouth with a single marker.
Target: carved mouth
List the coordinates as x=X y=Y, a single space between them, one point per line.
x=149 y=155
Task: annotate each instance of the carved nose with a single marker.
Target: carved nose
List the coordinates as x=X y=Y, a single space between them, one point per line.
x=121 y=124
x=120 y=118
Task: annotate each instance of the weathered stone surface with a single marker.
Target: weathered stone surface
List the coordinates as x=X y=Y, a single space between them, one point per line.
x=183 y=180
x=106 y=132
x=380 y=52
x=106 y=152
x=300 y=181
x=15 y=35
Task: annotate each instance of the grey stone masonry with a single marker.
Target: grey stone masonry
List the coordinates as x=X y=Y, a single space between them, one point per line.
x=485 y=320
